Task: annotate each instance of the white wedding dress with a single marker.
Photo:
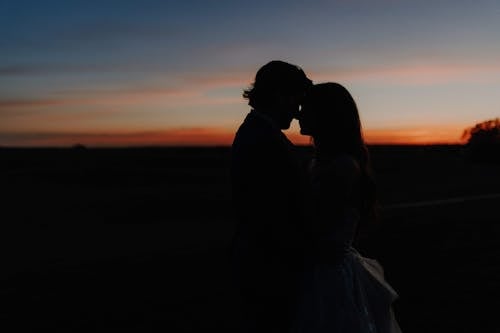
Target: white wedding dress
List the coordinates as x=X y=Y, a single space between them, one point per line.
x=342 y=291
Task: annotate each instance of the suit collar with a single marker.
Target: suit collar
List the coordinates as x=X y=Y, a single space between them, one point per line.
x=264 y=117
x=269 y=121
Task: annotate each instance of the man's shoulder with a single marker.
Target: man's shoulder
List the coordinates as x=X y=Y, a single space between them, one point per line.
x=255 y=130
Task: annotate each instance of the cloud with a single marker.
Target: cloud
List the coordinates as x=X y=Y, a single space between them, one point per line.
x=412 y=73
x=183 y=90
x=45 y=69
x=22 y=103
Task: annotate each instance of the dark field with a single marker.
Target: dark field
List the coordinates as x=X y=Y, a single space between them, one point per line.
x=118 y=240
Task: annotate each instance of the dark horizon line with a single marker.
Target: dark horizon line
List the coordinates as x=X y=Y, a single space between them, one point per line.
x=82 y=146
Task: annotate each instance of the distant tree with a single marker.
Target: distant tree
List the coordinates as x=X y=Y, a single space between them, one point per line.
x=483 y=141
x=79 y=146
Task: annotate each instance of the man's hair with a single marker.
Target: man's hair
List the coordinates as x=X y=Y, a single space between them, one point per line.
x=276 y=77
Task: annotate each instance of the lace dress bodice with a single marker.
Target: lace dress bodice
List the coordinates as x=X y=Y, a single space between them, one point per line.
x=334 y=203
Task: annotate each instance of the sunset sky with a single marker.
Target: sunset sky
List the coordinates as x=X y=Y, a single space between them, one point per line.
x=121 y=73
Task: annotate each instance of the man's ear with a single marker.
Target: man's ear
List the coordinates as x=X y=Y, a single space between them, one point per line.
x=282 y=98
x=277 y=98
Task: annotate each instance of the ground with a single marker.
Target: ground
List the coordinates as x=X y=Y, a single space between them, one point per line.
x=104 y=240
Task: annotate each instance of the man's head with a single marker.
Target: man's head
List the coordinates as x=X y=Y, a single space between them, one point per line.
x=278 y=90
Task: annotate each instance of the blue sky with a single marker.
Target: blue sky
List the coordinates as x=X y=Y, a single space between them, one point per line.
x=84 y=70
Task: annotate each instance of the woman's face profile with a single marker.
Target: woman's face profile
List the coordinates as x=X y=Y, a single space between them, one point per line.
x=306 y=119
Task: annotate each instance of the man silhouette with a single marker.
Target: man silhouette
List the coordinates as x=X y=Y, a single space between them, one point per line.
x=266 y=186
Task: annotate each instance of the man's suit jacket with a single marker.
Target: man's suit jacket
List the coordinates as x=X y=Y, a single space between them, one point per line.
x=267 y=190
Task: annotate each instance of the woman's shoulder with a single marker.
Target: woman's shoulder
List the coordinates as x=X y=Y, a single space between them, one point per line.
x=335 y=178
x=345 y=162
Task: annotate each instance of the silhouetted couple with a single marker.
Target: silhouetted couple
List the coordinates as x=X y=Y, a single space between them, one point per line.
x=294 y=263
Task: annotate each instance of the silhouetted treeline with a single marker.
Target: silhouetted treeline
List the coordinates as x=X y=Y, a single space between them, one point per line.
x=483 y=141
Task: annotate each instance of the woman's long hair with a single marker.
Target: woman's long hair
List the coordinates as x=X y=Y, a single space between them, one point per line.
x=337 y=130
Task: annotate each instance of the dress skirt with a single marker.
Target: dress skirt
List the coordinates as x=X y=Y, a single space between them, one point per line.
x=350 y=295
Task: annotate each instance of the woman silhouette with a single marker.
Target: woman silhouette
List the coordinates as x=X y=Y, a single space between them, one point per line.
x=342 y=291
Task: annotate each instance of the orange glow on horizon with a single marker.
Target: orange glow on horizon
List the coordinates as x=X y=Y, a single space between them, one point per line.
x=414 y=136
x=174 y=137
x=217 y=137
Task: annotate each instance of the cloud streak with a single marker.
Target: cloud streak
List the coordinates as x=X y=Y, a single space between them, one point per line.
x=191 y=89
x=22 y=103
x=417 y=74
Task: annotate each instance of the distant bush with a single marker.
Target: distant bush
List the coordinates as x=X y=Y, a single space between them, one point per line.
x=79 y=146
x=483 y=141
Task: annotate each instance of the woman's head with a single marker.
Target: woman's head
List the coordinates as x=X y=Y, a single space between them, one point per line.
x=330 y=116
